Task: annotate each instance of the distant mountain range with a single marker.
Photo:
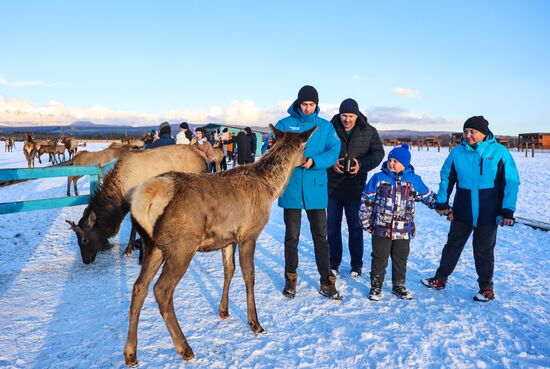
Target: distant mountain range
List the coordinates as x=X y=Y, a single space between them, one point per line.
x=91 y=129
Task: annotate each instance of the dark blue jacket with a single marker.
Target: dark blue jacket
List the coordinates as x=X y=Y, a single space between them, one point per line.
x=486 y=179
x=164 y=140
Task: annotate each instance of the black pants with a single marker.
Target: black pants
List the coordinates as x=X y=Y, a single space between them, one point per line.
x=382 y=249
x=335 y=212
x=318 y=226
x=484 y=241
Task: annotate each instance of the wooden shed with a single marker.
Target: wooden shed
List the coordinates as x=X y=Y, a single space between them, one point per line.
x=536 y=140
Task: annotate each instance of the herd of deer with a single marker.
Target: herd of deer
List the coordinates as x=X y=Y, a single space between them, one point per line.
x=55 y=150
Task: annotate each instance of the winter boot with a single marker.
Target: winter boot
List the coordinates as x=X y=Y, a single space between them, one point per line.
x=375 y=293
x=355 y=272
x=329 y=290
x=485 y=295
x=401 y=292
x=290 y=285
x=433 y=283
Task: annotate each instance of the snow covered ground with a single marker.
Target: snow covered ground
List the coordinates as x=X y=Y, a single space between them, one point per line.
x=56 y=312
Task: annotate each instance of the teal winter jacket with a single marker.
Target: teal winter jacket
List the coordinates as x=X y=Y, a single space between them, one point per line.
x=486 y=179
x=307 y=188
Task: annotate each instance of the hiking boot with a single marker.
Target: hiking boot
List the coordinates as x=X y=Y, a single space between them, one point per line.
x=355 y=272
x=433 y=283
x=402 y=292
x=329 y=290
x=290 y=285
x=485 y=295
x=375 y=294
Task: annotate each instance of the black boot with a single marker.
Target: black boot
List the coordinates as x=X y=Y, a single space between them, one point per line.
x=290 y=285
x=375 y=293
x=401 y=291
x=329 y=289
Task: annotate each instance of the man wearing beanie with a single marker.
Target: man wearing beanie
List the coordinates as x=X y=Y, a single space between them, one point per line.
x=487 y=183
x=165 y=137
x=307 y=189
x=361 y=151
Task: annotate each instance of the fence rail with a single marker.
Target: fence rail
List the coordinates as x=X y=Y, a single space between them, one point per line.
x=94 y=171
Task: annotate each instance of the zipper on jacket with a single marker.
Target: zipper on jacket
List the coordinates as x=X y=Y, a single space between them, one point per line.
x=397 y=182
x=481 y=166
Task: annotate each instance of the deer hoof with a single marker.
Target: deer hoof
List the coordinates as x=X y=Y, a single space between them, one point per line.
x=257 y=328
x=187 y=354
x=131 y=360
x=224 y=314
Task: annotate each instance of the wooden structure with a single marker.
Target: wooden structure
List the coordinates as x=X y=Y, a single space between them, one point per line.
x=94 y=171
x=456 y=137
x=392 y=142
x=535 y=140
x=504 y=141
x=432 y=142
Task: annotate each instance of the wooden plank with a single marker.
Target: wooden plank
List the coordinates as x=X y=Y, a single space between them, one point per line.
x=30 y=205
x=34 y=173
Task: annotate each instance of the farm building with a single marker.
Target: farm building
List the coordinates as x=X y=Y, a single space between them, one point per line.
x=539 y=140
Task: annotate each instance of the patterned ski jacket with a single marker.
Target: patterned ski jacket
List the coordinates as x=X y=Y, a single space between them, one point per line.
x=486 y=179
x=388 y=200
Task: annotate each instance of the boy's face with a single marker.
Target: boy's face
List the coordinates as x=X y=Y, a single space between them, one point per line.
x=395 y=166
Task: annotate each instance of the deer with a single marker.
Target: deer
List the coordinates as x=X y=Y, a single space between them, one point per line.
x=71 y=144
x=94 y=158
x=173 y=232
x=108 y=205
x=9 y=144
x=29 y=150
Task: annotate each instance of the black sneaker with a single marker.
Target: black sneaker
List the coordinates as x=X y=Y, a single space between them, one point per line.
x=329 y=290
x=433 y=283
x=402 y=292
x=375 y=294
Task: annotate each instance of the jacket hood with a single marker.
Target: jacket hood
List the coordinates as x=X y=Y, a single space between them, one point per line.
x=295 y=112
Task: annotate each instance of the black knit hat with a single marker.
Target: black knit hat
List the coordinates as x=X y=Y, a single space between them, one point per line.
x=478 y=123
x=308 y=93
x=184 y=125
x=349 y=106
x=165 y=128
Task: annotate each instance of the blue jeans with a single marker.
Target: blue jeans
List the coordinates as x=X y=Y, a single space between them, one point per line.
x=355 y=231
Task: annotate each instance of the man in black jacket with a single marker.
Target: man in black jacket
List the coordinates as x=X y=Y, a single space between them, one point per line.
x=361 y=151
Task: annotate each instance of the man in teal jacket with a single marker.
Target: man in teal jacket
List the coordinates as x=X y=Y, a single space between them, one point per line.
x=487 y=182
x=307 y=189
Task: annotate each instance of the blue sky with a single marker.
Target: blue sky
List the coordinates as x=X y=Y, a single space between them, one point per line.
x=425 y=65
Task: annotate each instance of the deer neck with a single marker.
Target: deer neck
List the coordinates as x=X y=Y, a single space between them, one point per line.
x=275 y=168
x=109 y=205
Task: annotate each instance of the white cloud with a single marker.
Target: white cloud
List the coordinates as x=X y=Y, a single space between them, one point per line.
x=357 y=77
x=5 y=82
x=407 y=92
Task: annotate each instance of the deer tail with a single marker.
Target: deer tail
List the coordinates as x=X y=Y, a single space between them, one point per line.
x=149 y=200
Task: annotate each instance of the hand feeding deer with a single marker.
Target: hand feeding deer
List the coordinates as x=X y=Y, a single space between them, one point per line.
x=173 y=231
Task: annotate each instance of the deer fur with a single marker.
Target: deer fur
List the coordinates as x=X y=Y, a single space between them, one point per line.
x=217 y=158
x=179 y=214
x=9 y=144
x=71 y=144
x=29 y=150
x=94 y=158
x=108 y=206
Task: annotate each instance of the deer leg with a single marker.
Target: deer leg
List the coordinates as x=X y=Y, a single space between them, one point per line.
x=131 y=242
x=69 y=179
x=173 y=270
x=228 y=256
x=151 y=264
x=246 y=259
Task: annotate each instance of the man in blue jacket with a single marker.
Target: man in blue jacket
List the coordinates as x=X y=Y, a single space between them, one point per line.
x=165 y=137
x=487 y=183
x=307 y=189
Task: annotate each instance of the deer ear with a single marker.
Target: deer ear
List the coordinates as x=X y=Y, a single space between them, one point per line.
x=305 y=136
x=91 y=220
x=276 y=132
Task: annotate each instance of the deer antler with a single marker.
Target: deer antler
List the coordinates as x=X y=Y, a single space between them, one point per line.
x=74 y=226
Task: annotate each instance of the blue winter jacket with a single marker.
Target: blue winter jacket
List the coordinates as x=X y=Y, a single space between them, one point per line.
x=165 y=139
x=486 y=179
x=307 y=188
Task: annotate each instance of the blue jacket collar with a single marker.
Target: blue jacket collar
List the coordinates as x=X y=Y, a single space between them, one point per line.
x=385 y=170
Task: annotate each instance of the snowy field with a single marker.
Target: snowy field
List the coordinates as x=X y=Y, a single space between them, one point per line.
x=56 y=312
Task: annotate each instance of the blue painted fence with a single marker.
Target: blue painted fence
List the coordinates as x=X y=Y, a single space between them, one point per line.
x=94 y=171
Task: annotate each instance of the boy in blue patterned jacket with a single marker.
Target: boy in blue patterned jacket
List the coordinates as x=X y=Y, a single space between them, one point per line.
x=387 y=212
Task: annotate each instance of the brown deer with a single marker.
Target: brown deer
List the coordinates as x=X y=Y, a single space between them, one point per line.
x=217 y=158
x=94 y=158
x=9 y=144
x=71 y=144
x=29 y=151
x=173 y=231
x=41 y=148
x=108 y=206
